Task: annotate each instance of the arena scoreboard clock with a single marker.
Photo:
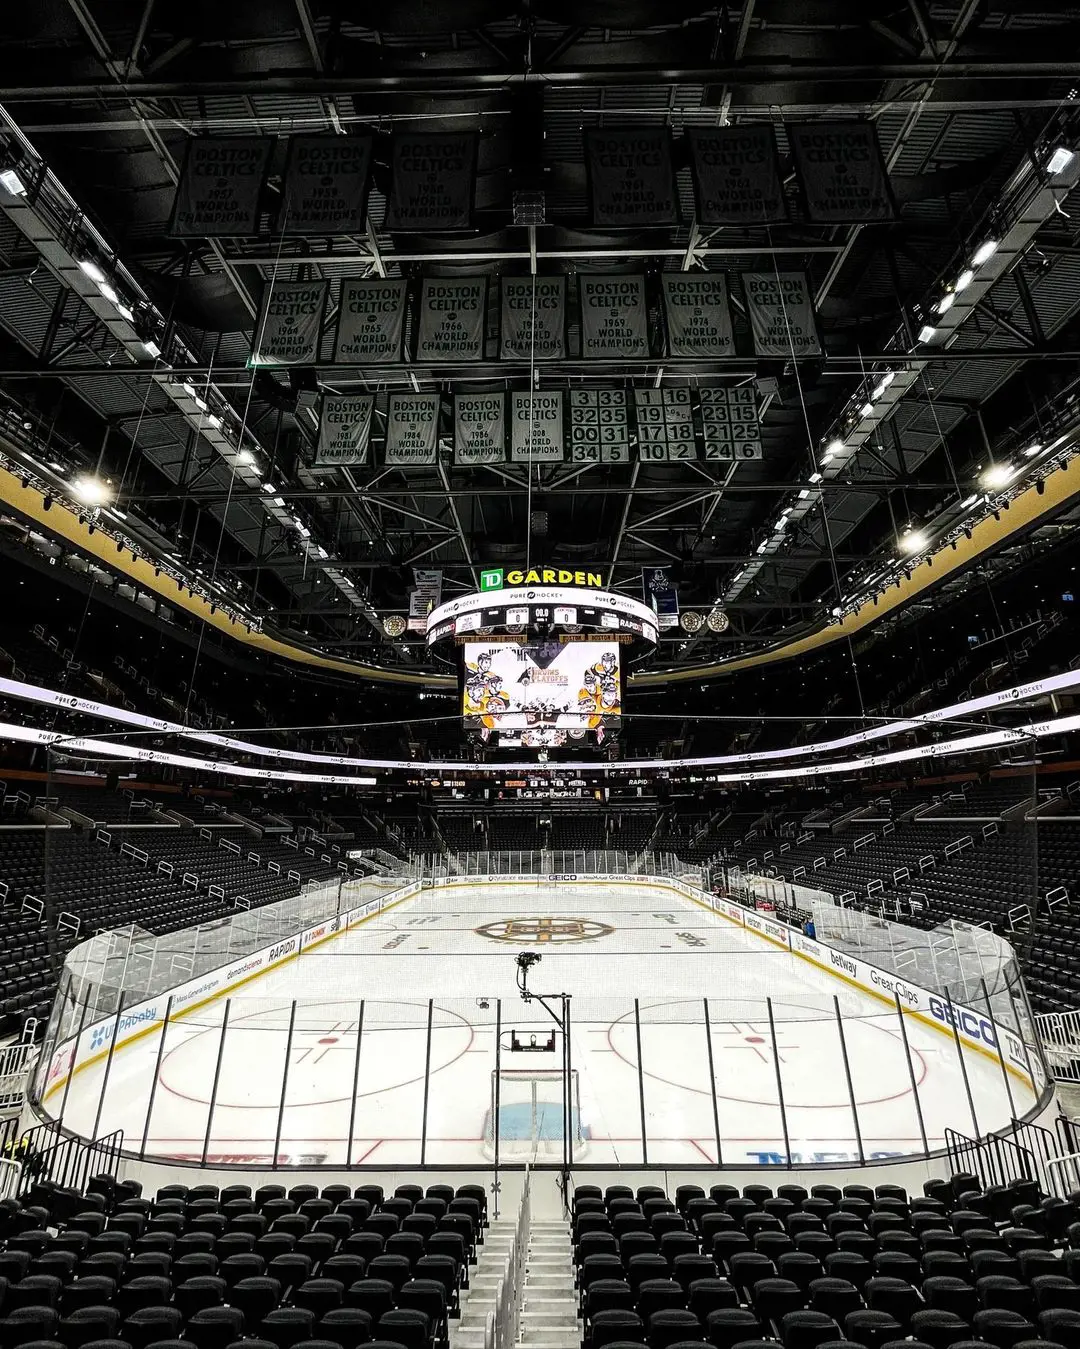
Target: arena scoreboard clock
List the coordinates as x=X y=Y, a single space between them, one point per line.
x=599 y=426
x=665 y=425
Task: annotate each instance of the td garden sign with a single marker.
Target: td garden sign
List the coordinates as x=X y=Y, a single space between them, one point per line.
x=499 y=578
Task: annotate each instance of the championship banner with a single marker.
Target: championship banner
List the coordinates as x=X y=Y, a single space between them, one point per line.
x=433 y=179
x=290 y=324
x=698 y=317
x=220 y=186
x=325 y=185
x=662 y=595
x=736 y=173
x=843 y=176
x=412 y=428
x=452 y=314
x=426 y=595
x=344 y=429
x=533 y=318
x=631 y=179
x=536 y=427
x=479 y=429
x=781 y=313
x=614 y=319
x=371 y=321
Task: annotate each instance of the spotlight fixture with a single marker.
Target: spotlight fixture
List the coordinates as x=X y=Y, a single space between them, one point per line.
x=946 y=302
x=90 y=268
x=152 y=349
x=691 y=621
x=997 y=476
x=718 y=621
x=1060 y=159
x=927 y=333
x=12 y=183
x=90 y=491
x=984 y=252
x=914 y=541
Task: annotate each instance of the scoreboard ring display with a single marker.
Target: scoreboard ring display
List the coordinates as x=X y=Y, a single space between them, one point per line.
x=544 y=610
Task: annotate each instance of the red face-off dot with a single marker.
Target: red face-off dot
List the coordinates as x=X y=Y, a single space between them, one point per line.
x=755 y=1039
x=329 y=1040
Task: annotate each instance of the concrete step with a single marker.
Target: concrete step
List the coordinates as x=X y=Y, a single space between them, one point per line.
x=550 y=1339
x=547 y=1259
x=557 y=1316
x=554 y=1282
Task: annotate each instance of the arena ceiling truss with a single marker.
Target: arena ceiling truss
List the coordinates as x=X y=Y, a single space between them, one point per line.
x=874 y=453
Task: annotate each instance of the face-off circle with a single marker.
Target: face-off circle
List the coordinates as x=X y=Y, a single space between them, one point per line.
x=544 y=931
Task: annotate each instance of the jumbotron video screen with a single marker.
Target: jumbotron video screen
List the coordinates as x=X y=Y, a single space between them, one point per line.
x=523 y=688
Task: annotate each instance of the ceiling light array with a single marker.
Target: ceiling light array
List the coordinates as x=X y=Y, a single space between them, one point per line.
x=92 y=495
x=81 y=257
x=1028 y=200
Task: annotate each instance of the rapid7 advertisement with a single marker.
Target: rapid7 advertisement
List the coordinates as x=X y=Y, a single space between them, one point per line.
x=519 y=687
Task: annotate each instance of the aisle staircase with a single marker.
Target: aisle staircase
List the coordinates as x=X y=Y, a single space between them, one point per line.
x=548 y=1317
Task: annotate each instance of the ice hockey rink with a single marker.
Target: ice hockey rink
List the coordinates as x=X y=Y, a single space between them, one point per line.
x=380 y=1047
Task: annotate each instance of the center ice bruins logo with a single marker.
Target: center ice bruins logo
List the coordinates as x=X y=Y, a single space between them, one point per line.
x=544 y=931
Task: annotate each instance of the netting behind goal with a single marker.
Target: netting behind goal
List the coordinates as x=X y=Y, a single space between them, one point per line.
x=529 y=1105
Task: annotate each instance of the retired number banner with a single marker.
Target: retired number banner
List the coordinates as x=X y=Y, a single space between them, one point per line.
x=371 y=320
x=325 y=188
x=698 y=317
x=412 y=428
x=344 y=429
x=614 y=320
x=781 y=314
x=533 y=318
x=631 y=179
x=290 y=324
x=452 y=314
x=536 y=427
x=479 y=428
x=433 y=177
x=736 y=173
x=220 y=187
x=843 y=175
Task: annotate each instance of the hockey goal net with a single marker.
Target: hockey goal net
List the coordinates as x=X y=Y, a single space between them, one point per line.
x=528 y=1111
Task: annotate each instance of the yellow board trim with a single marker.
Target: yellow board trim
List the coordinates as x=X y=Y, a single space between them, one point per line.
x=873 y=993
x=213 y=997
x=987 y=535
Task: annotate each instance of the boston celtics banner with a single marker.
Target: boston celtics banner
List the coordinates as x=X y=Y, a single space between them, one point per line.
x=479 y=428
x=536 y=421
x=432 y=182
x=631 y=179
x=533 y=319
x=452 y=314
x=325 y=185
x=220 y=185
x=371 y=320
x=412 y=428
x=781 y=314
x=614 y=321
x=698 y=317
x=843 y=175
x=290 y=324
x=344 y=429
x=736 y=174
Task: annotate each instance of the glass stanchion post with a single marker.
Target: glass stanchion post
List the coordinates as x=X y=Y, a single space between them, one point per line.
x=355 y=1086
x=284 y=1086
x=779 y=1083
x=847 y=1076
x=217 y=1079
x=997 y=1046
x=641 y=1083
x=154 y=1079
x=712 y=1084
x=963 y=1065
x=427 y=1082
x=108 y=1064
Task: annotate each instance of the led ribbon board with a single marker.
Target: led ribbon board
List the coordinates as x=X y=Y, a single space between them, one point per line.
x=542 y=606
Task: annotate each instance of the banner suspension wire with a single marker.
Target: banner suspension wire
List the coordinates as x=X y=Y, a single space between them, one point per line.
x=257 y=336
x=813 y=469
